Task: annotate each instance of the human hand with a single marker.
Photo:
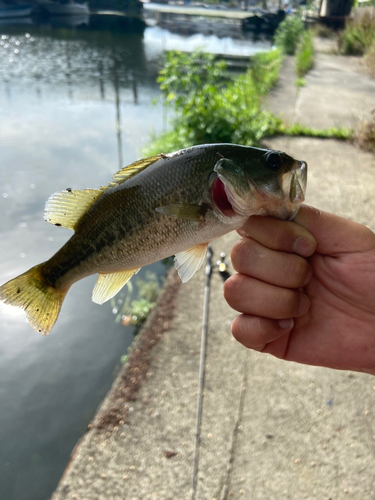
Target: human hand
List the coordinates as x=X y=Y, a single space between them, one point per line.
x=306 y=290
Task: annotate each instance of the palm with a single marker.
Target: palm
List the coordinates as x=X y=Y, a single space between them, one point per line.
x=339 y=328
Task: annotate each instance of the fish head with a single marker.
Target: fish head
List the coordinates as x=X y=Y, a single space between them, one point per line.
x=261 y=182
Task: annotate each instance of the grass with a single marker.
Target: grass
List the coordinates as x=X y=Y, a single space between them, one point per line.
x=358 y=37
x=292 y=39
x=370 y=59
x=341 y=133
x=305 y=54
x=288 y=34
x=365 y=136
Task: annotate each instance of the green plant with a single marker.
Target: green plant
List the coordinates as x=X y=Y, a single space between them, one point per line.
x=134 y=311
x=370 y=59
x=358 y=36
x=228 y=112
x=288 y=34
x=302 y=131
x=365 y=136
x=300 y=82
x=305 y=54
x=210 y=107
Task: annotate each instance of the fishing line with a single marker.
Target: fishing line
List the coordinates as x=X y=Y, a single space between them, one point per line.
x=202 y=366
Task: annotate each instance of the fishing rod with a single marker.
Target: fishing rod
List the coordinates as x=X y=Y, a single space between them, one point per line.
x=202 y=367
x=222 y=266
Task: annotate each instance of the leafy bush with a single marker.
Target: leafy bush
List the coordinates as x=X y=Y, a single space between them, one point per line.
x=288 y=34
x=210 y=107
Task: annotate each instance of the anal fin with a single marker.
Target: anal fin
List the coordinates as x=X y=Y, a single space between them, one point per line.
x=108 y=285
x=188 y=262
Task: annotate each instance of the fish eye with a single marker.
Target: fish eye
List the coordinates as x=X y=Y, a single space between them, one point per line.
x=273 y=161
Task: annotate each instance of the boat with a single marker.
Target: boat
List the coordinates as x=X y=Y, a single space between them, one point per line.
x=70 y=8
x=10 y=11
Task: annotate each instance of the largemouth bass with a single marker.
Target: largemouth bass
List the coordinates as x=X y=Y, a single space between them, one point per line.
x=168 y=204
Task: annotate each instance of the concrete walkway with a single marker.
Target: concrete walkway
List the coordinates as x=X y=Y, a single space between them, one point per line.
x=270 y=429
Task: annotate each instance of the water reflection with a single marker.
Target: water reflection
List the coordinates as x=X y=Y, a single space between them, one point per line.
x=74 y=107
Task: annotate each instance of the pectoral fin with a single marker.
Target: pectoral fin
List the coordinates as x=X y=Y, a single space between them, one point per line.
x=188 y=262
x=108 y=285
x=184 y=211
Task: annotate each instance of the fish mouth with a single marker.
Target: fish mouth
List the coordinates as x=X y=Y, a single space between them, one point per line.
x=282 y=202
x=220 y=198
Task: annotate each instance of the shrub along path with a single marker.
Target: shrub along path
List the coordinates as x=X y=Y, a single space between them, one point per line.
x=270 y=429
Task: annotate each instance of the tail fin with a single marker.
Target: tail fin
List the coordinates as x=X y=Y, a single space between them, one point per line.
x=41 y=301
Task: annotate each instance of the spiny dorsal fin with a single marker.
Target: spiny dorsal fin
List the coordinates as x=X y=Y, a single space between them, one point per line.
x=67 y=207
x=108 y=285
x=129 y=171
x=188 y=262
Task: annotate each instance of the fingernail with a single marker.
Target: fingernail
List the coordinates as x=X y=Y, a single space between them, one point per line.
x=304 y=247
x=286 y=324
x=304 y=304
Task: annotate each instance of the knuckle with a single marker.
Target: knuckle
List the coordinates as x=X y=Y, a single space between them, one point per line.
x=232 y=289
x=283 y=237
x=236 y=329
x=242 y=253
x=300 y=272
x=249 y=331
x=289 y=303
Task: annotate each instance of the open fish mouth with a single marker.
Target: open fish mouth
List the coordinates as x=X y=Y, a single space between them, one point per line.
x=282 y=201
x=220 y=197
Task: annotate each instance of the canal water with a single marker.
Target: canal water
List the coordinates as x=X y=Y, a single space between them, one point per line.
x=75 y=105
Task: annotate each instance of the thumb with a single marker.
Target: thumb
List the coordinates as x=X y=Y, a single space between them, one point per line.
x=262 y=334
x=333 y=234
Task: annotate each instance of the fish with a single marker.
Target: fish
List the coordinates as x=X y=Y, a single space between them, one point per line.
x=163 y=205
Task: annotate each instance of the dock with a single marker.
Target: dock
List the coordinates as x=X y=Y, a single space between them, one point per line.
x=188 y=10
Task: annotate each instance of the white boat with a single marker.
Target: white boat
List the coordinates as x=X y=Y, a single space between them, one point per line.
x=70 y=8
x=9 y=11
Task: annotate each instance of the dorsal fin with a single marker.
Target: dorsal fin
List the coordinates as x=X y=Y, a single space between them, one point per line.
x=129 y=171
x=67 y=207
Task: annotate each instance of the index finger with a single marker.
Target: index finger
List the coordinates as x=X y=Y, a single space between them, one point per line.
x=280 y=235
